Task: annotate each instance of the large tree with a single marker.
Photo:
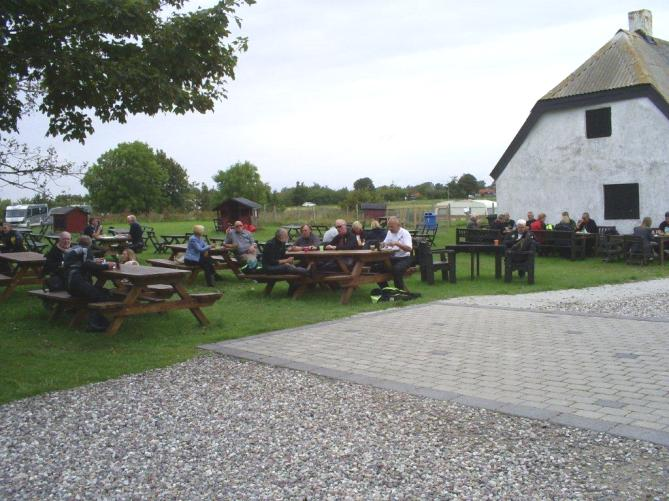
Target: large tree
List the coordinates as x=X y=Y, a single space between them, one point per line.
x=177 y=188
x=242 y=180
x=127 y=178
x=75 y=59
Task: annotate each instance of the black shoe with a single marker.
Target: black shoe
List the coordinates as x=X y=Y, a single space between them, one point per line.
x=521 y=273
x=218 y=277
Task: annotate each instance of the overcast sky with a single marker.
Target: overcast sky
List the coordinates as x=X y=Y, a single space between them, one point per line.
x=401 y=91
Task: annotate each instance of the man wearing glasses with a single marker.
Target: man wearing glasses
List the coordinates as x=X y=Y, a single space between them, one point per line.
x=344 y=240
x=242 y=243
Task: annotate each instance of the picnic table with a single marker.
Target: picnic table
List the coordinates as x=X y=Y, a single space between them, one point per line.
x=135 y=280
x=181 y=248
x=474 y=250
x=113 y=230
x=111 y=243
x=27 y=270
x=353 y=269
x=660 y=239
x=174 y=239
x=293 y=230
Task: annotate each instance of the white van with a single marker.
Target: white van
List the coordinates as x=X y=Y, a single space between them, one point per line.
x=26 y=215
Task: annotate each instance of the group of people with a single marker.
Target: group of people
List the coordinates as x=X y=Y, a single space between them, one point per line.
x=274 y=258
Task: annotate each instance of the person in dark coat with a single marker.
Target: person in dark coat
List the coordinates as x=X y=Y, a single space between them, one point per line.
x=587 y=224
x=53 y=270
x=375 y=235
x=274 y=258
x=648 y=246
x=12 y=241
x=345 y=239
x=79 y=267
x=136 y=234
x=520 y=239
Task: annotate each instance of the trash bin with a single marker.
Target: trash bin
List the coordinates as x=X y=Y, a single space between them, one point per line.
x=430 y=220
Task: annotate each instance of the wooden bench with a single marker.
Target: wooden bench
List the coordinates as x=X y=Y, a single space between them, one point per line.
x=59 y=301
x=512 y=263
x=568 y=243
x=4 y=279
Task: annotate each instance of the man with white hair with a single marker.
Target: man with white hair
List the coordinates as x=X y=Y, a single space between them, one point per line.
x=242 y=243
x=520 y=239
x=136 y=234
x=399 y=240
x=53 y=267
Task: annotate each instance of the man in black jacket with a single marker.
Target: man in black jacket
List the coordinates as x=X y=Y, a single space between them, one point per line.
x=274 y=258
x=521 y=240
x=79 y=266
x=12 y=241
x=53 y=268
x=136 y=234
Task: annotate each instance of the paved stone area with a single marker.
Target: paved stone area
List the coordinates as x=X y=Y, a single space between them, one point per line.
x=602 y=373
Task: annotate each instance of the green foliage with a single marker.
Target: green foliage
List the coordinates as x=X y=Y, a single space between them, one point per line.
x=362 y=184
x=469 y=184
x=127 y=178
x=111 y=58
x=242 y=180
x=203 y=197
x=177 y=188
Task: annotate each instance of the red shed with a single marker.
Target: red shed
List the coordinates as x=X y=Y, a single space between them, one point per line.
x=373 y=211
x=72 y=219
x=236 y=209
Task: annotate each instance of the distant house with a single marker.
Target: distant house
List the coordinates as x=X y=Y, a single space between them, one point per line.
x=467 y=207
x=373 y=211
x=486 y=192
x=72 y=219
x=236 y=209
x=597 y=142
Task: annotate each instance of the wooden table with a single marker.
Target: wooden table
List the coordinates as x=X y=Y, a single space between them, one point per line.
x=293 y=230
x=181 y=248
x=348 y=277
x=27 y=270
x=137 y=279
x=660 y=239
x=107 y=242
x=112 y=230
x=173 y=239
x=474 y=250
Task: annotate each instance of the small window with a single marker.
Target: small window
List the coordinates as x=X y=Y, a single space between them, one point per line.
x=598 y=123
x=621 y=201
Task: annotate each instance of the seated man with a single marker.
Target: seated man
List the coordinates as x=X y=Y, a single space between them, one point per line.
x=242 y=243
x=53 y=268
x=399 y=240
x=520 y=240
x=136 y=234
x=530 y=219
x=306 y=240
x=12 y=241
x=664 y=224
x=329 y=235
x=344 y=240
x=274 y=258
x=587 y=224
x=79 y=266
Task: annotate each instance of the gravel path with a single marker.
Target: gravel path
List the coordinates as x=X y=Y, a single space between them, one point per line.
x=216 y=427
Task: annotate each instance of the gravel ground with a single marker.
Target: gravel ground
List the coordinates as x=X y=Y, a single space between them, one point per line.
x=216 y=427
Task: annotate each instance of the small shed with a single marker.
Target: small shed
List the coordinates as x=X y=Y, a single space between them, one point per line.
x=373 y=211
x=72 y=219
x=465 y=208
x=236 y=209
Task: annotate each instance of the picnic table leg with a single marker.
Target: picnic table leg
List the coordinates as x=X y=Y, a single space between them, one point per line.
x=498 y=265
x=16 y=280
x=661 y=251
x=471 y=265
x=183 y=294
x=478 y=264
x=117 y=321
x=353 y=284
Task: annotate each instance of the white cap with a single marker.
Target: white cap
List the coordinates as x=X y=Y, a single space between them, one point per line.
x=521 y=221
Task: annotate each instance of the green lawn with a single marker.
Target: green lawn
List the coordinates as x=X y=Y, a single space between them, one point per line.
x=36 y=356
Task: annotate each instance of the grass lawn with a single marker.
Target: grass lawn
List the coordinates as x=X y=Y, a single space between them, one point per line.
x=36 y=356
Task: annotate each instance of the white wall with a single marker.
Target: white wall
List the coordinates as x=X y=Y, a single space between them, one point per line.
x=557 y=168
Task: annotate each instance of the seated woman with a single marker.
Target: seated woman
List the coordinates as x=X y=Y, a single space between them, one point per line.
x=197 y=254
x=358 y=233
x=129 y=257
x=648 y=246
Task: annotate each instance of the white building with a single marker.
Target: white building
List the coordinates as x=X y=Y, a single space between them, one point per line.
x=465 y=208
x=599 y=141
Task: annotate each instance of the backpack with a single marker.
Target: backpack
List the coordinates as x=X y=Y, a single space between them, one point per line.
x=391 y=294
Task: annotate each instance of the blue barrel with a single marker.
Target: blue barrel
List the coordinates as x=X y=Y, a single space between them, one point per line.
x=430 y=220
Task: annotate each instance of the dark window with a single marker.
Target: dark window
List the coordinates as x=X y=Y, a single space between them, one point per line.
x=598 y=123
x=621 y=201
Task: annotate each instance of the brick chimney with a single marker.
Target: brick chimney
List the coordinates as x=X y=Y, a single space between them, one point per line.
x=641 y=20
